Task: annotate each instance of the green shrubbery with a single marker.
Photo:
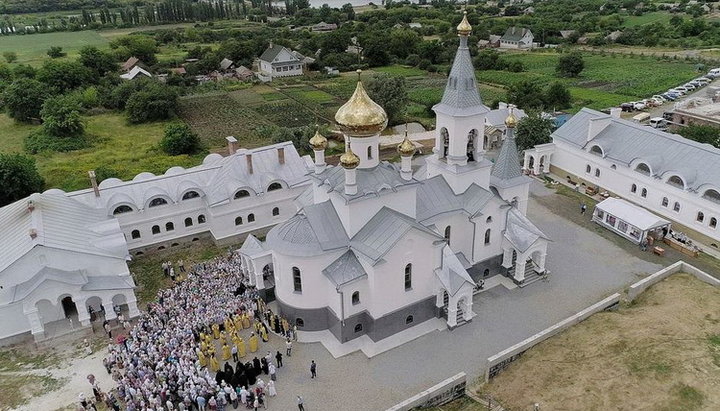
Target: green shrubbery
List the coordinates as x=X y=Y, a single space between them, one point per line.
x=180 y=139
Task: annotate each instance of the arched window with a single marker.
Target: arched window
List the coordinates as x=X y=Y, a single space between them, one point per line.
x=251 y=218
x=614 y=167
x=700 y=217
x=633 y=188
x=169 y=226
x=665 y=202
x=122 y=209
x=356 y=298
x=488 y=220
x=643 y=168
x=241 y=194
x=596 y=150
x=712 y=195
x=135 y=234
x=369 y=153
x=676 y=207
x=188 y=222
x=299 y=322
x=408 y=277
x=238 y=220
x=588 y=169
x=486 y=272
x=201 y=219
x=409 y=319
x=156 y=229
x=157 y=202
x=643 y=193
x=358 y=328
x=447 y=234
x=713 y=222
x=597 y=172
x=190 y=194
x=274 y=186
x=445 y=137
x=472 y=138
x=676 y=181
x=487 y=236
x=297 y=280
x=276 y=211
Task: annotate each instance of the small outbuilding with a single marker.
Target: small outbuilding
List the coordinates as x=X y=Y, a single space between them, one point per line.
x=630 y=221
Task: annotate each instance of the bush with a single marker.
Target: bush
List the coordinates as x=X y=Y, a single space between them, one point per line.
x=61 y=117
x=56 y=52
x=180 y=139
x=157 y=102
x=24 y=99
x=570 y=65
x=18 y=177
x=10 y=56
x=39 y=141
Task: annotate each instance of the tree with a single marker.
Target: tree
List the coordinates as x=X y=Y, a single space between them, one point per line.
x=24 y=99
x=24 y=71
x=55 y=52
x=391 y=94
x=18 y=177
x=570 y=65
x=527 y=94
x=61 y=117
x=489 y=59
x=141 y=46
x=701 y=134
x=403 y=42
x=533 y=130
x=180 y=139
x=334 y=42
x=10 y=56
x=100 y=62
x=63 y=76
x=155 y=102
x=557 y=96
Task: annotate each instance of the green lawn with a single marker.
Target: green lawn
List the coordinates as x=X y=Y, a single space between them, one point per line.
x=32 y=49
x=398 y=70
x=647 y=18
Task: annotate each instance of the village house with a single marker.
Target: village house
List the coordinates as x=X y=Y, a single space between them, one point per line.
x=279 y=61
x=517 y=38
x=322 y=26
x=136 y=72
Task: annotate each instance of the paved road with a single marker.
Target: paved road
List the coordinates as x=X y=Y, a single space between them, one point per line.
x=699 y=93
x=585 y=268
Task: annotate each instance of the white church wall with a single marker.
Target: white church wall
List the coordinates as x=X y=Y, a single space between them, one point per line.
x=13 y=320
x=361 y=286
x=496 y=225
x=317 y=290
x=461 y=233
x=356 y=214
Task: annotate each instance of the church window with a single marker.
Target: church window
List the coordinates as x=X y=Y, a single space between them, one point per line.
x=190 y=194
x=643 y=168
x=238 y=220
x=241 y=194
x=676 y=207
x=472 y=139
x=588 y=168
x=188 y=222
x=299 y=322
x=445 y=137
x=633 y=188
x=408 y=277
x=643 y=193
x=251 y=218
x=713 y=222
x=712 y=195
x=369 y=153
x=276 y=211
x=676 y=181
x=486 y=272
x=487 y=236
x=488 y=220
x=169 y=226
x=597 y=172
x=614 y=167
x=358 y=328
x=700 y=216
x=596 y=150
x=409 y=319
x=155 y=202
x=356 y=298
x=447 y=234
x=274 y=186
x=135 y=234
x=201 y=219
x=122 y=209
x=665 y=202
x=156 y=229
x=297 y=280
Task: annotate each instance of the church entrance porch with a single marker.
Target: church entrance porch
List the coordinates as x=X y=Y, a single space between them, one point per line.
x=69 y=307
x=525 y=268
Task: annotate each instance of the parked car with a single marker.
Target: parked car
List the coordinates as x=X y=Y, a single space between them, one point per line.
x=713 y=73
x=639 y=105
x=628 y=107
x=657 y=101
x=660 y=98
x=682 y=90
x=670 y=96
x=689 y=86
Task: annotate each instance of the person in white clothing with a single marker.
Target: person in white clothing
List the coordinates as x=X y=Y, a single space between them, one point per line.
x=271 y=388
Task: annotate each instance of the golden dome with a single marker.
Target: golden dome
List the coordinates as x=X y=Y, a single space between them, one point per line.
x=406 y=148
x=464 y=28
x=360 y=116
x=318 y=141
x=511 y=120
x=349 y=160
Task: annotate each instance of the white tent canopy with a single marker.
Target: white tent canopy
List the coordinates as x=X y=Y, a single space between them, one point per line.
x=627 y=219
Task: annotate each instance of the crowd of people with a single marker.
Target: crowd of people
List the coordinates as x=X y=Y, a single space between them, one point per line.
x=187 y=351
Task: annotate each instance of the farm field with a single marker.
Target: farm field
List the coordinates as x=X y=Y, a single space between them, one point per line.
x=647 y=18
x=661 y=352
x=32 y=49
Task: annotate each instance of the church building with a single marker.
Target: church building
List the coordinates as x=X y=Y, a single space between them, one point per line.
x=377 y=248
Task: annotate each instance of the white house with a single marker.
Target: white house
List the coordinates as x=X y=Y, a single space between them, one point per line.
x=279 y=61
x=59 y=260
x=667 y=174
x=136 y=72
x=517 y=38
x=377 y=248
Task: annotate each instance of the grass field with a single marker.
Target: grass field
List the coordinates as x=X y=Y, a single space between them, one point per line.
x=647 y=18
x=32 y=49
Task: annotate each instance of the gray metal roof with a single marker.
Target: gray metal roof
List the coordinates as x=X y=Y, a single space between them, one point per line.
x=107 y=282
x=520 y=231
x=461 y=96
x=452 y=274
x=345 y=269
x=624 y=142
x=226 y=64
x=435 y=197
x=371 y=182
x=514 y=34
x=273 y=51
x=314 y=230
x=252 y=246
x=497 y=117
x=506 y=171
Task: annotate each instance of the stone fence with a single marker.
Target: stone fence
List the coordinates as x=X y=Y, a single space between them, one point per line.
x=439 y=394
x=680 y=266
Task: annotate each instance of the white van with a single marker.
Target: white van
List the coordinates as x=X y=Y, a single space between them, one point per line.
x=658 y=122
x=642 y=117
x=714 y=73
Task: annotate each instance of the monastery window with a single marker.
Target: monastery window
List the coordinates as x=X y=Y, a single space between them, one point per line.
x=135 y=234
x=487 y=236
x=633 y=188
x=445 y=141
x=676 y=181
x=122 y=209
x=643 y=193
x=447 y=234
x=614 y=167
x=190 y=194
x=188 y=222
x=472 y=138
x=488 y=220
x=596 y=150
x=676 y=207
x=358 y=328
x=274 y=186
x=201 y=219
x=297 y=280
x=369 y=153
x=169 y=226
x=356 y=298
x=712 y=195
x=700 y=217
x=299 y=322
x=251 y=218
x=155 y=202
x=276 y=211
x=408 y=277
x=486 y=272
x=713 y=222
x=238 y=220
x=409 y=319
x=241 y=194
x=588 y=169
x=665 y=202
x=597 y=172
x=643 y=169
x=156 y=229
